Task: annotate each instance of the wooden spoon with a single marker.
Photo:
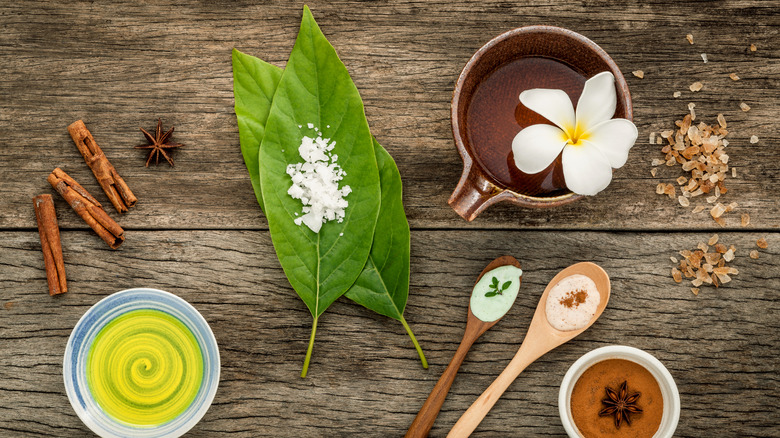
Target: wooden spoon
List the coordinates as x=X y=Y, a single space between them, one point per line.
x=474 y=329
x=540 y=338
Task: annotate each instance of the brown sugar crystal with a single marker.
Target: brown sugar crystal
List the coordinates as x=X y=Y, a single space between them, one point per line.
x=700 y=150
x=706 y=264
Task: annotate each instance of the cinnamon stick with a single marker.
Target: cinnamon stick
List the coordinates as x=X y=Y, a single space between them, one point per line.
x=115 y=187
x=87 y=207
x=50 y=243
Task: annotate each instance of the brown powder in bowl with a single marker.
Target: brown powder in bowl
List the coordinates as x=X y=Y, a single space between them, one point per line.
x=589 y=391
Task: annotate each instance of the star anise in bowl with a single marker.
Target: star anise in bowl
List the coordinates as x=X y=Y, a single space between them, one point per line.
x=159 y=144
x=620 y=404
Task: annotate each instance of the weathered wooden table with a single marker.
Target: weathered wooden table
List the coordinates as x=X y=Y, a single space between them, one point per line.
x=198 y=232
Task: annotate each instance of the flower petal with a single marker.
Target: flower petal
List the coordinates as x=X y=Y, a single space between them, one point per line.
x=614 y=138
x=554 y=105
x=536 y=146
x=597 y=102
x=585 y=169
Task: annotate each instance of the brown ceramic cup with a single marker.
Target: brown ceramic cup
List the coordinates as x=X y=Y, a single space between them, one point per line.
x=539 y=57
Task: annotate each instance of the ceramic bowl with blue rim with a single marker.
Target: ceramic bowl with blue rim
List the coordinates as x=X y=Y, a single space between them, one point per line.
x=141 y=363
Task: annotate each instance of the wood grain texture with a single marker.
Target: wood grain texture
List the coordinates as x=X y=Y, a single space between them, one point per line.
x=197 y=230
x=121 y=65
x=365 y=378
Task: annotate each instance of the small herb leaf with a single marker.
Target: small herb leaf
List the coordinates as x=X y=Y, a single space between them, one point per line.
x=506 y=285
x=491 y=294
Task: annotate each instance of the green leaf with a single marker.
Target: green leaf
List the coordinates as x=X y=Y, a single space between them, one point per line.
x=254 y=86
x=506 y=285
x=495 y=282
x=491 y=294
x=383 y=284
x=315 y=87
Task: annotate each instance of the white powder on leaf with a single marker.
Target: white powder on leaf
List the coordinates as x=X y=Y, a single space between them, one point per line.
x=315 y=183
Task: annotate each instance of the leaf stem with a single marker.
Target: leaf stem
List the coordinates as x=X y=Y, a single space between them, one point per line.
x=311 y=347
x=416 y=344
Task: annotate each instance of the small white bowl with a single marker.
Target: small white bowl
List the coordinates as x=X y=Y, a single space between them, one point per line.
x=665 y=380
x=74 y=367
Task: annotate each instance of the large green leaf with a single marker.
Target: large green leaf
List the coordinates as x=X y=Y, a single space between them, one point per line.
x=315 y=88
x=254 y=86
x=383 y=284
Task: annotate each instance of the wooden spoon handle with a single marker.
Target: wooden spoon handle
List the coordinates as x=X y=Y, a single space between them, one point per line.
x=477 y=411
x=430 y=409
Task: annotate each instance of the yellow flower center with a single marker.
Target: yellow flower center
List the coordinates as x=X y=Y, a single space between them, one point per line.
x=575 y=135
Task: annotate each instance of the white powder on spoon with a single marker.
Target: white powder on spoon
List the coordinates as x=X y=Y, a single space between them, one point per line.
x=315 y=183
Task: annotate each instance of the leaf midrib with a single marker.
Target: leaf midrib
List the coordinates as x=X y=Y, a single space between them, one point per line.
x=319 y=123
x=384 y=287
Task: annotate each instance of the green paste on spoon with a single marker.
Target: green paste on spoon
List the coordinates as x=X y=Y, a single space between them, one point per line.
x=495 y=293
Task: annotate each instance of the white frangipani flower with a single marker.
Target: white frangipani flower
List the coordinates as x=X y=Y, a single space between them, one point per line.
x=591 y=140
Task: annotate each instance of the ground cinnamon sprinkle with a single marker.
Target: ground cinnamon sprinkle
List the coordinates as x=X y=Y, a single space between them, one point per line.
x=574 y=298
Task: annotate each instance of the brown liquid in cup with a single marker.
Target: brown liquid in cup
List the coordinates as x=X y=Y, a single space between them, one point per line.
x=495 y=116
x=589 y=391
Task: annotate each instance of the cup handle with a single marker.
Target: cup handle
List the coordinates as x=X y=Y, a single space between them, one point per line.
x=473 y=194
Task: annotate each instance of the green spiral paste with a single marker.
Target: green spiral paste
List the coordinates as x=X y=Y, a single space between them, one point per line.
x=144 y=368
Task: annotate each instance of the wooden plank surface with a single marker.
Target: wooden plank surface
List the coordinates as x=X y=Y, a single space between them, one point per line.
x=197 y=230
x=365 y=379
x=121 y=65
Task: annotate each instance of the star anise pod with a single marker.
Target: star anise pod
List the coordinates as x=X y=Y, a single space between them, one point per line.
x=620 y=404
x=159 y=143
